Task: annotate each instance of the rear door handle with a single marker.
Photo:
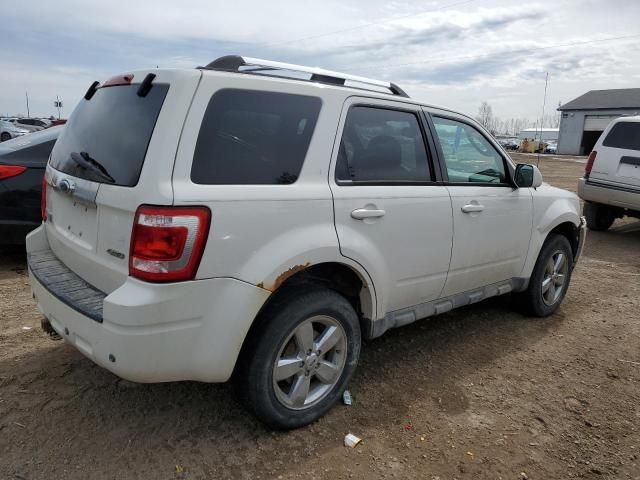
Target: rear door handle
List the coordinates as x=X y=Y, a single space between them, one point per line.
x=362 y=213
x=472 y=207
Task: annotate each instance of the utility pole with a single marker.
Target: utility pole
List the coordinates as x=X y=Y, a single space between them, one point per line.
x=58 y=104
x=26 y=94
x=544 y=102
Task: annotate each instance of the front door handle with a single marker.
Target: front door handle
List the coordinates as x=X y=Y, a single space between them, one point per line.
x=363 y=213
x=472 y=207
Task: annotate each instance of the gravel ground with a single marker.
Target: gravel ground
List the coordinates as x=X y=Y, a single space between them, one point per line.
x=483 y=392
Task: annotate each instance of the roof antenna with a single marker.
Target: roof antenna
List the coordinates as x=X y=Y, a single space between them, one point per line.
x=544 y=102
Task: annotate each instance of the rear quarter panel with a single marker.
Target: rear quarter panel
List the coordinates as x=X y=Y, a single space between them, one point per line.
x=262 y=234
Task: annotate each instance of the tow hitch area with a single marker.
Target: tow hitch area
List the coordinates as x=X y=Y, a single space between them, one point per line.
x=48 y=329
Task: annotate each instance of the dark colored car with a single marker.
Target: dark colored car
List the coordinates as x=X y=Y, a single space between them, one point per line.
x=22 y=164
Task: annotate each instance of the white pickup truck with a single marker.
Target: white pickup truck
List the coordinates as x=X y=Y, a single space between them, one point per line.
x=256 y=220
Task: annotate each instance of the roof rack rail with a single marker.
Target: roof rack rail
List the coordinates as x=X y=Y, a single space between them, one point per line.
x=237 y=63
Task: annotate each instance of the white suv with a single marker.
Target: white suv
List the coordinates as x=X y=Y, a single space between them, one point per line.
x=611 y=183
x=258 y=220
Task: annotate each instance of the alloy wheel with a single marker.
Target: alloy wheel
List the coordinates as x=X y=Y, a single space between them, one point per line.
x=310 y=362
x=555 y=276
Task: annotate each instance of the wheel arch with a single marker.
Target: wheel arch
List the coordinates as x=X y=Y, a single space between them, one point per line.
x=348 y=280
x=560 y=218
x=570 y=231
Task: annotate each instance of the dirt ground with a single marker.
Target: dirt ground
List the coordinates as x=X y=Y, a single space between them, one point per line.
x=483 y=392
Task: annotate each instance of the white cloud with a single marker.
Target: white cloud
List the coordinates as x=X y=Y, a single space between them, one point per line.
x=475 y=50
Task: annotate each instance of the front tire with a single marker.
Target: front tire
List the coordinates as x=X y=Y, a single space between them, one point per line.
x=4 y=137
x=300 y=358
x=551 y=276
x=599 y=217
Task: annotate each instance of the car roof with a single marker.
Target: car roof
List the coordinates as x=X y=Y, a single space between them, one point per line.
x=317 y=88
x=34 y=138
x=634 y=118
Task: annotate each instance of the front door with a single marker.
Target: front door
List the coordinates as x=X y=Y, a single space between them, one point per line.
x=390 y=215
x=492 y=220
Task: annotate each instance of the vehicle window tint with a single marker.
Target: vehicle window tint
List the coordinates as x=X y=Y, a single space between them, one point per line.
x=106 y=138
x=254 y=138
x=382 y=145
x=468 y=155
x=624 y=135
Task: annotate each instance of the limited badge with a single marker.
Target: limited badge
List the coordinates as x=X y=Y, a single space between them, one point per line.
x=115 y=253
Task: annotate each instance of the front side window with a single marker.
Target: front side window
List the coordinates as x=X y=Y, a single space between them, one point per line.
x=624 y=135
x=379 y=145
x=468 y=155
x=252 y=137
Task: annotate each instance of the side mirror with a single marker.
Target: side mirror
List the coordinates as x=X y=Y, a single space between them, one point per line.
x=528 y=176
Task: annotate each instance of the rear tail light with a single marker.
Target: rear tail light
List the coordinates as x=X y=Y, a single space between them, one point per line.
x=589 y=165
x=167 y=242
x=8 y=171
x=43 y=199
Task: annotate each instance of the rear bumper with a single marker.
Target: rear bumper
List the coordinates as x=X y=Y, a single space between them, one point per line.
x=156 y=332
x=616 y=196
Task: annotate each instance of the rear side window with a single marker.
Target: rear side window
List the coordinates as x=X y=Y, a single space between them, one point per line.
x=624 y=135
x=106 y=138
x=252 y=137
x=381 y=145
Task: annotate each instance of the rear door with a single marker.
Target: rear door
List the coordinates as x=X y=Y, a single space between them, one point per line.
x=116 y=152
x=619 y=161
x=492 y=220
x=391 y=214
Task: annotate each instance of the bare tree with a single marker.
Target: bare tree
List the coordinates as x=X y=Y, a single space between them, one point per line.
x=485 y=115
x=551 y=120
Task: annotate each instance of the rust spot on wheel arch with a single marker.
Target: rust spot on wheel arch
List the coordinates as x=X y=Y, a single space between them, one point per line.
x=283 y=277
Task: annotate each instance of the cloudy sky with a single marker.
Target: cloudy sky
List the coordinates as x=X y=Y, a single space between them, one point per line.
x=451 y=53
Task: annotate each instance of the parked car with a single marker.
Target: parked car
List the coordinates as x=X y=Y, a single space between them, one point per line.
x=22 y=164
x=259 y=227
x=31 y=124
x=8 y=131
x=610 y=187
x=509 y=143
x=59 y=121
x=551 y=147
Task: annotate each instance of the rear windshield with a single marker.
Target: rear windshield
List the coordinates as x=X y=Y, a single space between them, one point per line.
x=254 y=138
x=624 y=135
x=106 y=137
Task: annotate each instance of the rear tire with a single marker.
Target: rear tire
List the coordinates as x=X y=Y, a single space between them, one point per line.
x=284 y=376
x=550 y=278
x=4 y=137
x=599 y=217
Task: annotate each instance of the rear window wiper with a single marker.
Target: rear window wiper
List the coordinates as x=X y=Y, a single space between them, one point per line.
x=85 y=161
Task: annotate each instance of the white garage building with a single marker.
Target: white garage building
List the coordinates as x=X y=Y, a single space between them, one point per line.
x=584 y=119
x=544 y=134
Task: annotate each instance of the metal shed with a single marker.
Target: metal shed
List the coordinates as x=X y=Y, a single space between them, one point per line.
x=585 y=118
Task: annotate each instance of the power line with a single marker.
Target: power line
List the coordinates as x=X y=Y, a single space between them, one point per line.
x=380 y=22
x=520 y=50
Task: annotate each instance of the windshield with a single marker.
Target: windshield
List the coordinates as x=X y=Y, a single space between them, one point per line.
x=109 y=133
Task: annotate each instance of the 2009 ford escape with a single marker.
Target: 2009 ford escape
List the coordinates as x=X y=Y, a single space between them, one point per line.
x=258 y=220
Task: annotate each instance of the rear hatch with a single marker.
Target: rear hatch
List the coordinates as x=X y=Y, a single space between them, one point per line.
x=618 y=158
x=116 y=153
